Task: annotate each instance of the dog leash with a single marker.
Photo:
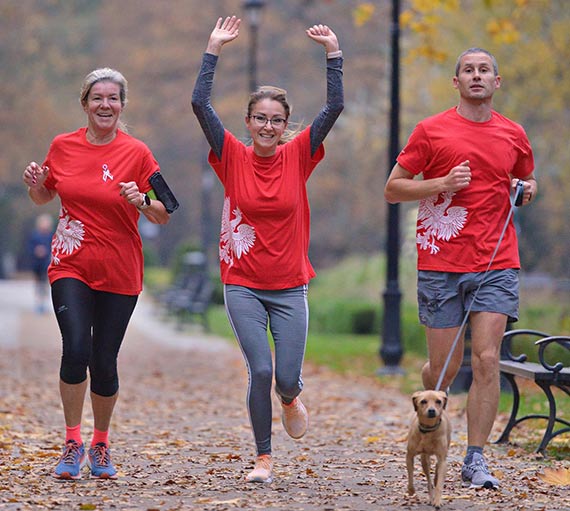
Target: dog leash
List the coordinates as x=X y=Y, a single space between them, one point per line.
x=516 y=201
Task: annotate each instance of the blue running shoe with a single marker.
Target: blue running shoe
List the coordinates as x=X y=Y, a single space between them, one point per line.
x=99 y=461
x=71 y=462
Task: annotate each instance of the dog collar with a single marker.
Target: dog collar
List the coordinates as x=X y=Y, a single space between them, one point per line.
x=429 y=429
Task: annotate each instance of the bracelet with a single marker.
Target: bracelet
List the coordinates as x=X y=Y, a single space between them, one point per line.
x=334 y=54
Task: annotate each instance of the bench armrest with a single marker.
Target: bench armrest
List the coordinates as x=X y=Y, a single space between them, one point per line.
x=506 y=346
x=542 y=344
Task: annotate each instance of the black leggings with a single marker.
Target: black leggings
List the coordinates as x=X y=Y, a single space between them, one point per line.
x=92 y=325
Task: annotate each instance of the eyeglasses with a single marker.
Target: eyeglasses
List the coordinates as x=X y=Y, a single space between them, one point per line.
x=261 y=120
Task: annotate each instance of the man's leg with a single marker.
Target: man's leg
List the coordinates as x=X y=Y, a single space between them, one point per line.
x=441 y=311
x=487 y=330
x=439 y=343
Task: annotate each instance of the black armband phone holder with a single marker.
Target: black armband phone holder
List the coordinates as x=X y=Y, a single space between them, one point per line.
x=163 y=192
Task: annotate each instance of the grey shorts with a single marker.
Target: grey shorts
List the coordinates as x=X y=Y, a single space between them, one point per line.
x=444 y=297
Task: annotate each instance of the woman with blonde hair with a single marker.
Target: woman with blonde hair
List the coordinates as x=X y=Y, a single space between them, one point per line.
x=264 y=239
x=103 y=179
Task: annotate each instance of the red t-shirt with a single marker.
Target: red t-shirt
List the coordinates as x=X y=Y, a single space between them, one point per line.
x=97 y=239
x=264 y=239
x=458 y=232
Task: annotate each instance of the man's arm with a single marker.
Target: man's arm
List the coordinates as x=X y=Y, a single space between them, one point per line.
x=402 y=186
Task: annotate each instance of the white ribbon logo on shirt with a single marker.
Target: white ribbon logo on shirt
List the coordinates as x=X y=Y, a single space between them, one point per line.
x=107 y=173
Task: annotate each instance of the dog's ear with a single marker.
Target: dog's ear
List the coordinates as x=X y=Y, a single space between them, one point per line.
x=415 y=396
x=444 y=399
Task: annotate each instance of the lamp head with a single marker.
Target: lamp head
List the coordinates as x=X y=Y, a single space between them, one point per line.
x=253 y=10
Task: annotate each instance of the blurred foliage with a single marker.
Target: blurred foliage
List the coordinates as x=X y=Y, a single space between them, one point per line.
x=344 y=297
x=157 y=279
x=338 y=294
x=344 y=316
x=48 y=46
x=531 y=41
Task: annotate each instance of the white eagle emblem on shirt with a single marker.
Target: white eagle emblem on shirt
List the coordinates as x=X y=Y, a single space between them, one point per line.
x=68 y=236
x=438 y=221
x=236 y=238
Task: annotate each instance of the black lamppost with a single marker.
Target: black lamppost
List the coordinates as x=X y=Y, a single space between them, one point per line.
x=253 y=11
x=391 y=350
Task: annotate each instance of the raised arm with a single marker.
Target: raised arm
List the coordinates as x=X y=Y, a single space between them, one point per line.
x=224 y=31
x=334 y=105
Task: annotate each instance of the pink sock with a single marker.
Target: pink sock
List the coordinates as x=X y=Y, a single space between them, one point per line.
x=100 y=437
x=73 y=433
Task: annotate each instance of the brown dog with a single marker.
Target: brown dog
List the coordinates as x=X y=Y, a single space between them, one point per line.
x=430 y=434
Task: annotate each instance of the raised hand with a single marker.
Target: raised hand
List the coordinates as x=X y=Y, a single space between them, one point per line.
x=322 y=34
x=224 y=32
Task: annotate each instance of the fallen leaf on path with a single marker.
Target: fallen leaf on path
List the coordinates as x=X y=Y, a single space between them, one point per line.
x=230 y=501
x=499 y=474
x=557 y=477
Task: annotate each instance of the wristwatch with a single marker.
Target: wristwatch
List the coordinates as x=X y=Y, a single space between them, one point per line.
x=145 y=202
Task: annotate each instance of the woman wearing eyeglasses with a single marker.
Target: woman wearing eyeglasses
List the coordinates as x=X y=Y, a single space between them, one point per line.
x=264 y=237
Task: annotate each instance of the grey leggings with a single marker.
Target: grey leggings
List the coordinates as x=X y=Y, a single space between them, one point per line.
x=287 y=313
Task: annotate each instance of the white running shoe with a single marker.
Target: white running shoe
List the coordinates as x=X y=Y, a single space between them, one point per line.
x=295 y=418
x=263 y=470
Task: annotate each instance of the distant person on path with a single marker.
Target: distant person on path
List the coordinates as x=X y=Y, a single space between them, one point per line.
x=471 y=158
x=39 y=248
x=101 y=175
x=265 y=232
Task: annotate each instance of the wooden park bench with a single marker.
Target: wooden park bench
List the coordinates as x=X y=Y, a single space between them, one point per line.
x=191 y=295
x=545 y=375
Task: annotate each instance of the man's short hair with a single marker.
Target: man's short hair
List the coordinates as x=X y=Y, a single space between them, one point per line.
x=476 y=50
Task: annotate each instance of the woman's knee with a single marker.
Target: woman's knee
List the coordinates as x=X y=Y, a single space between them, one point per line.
x=105 y=386
x=74 y=363
x=288 y=386
x=262 y=375
x=73 y=374
x=104 y=375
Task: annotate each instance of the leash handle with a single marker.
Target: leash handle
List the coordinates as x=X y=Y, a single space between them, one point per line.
x=515 y=202
x=519 y=193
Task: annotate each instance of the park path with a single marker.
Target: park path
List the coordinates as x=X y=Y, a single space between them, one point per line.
x=181 y=439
